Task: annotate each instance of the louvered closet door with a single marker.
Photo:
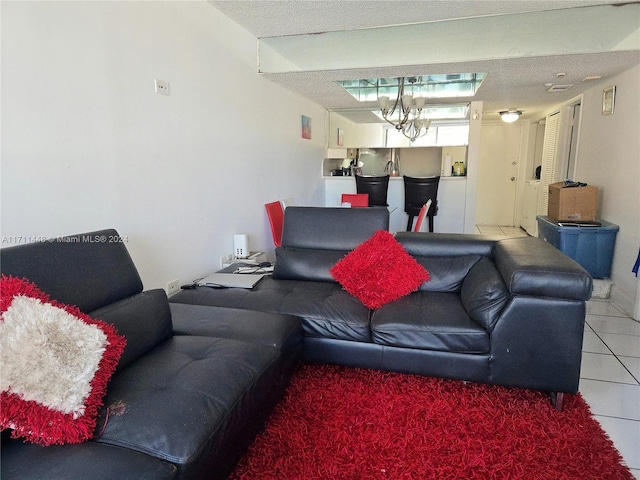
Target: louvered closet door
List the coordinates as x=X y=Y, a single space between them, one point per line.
x=549 y=155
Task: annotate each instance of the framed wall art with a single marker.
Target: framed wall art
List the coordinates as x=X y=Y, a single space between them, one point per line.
x=608 y=100
x=306 y=127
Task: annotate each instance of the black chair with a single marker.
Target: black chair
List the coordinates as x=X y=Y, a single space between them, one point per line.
x=416 y=193
x=376 y=187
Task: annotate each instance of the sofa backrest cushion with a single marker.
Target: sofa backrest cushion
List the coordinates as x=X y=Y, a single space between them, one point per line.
x=447 y=273
x=445 y=244
x=316 y=238
x=88 y=270
x=143 y=319
x=327 y=228
x=484 y=293
x=306 y=264
x=447 y=257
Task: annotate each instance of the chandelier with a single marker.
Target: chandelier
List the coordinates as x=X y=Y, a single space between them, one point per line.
x=409 y=111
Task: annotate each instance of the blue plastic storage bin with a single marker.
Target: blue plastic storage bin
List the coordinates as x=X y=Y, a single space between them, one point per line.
x=591 y=247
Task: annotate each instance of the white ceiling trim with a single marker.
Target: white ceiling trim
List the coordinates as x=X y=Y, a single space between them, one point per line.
x=513 y=81
x=534 y=34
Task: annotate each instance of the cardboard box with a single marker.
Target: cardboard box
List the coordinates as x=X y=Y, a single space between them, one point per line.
x=572 y=203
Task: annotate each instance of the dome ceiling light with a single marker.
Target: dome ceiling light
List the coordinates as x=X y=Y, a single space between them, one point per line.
x=510 y=116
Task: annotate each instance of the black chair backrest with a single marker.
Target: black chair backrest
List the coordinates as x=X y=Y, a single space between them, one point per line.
x=417 y=190
x=376 y=187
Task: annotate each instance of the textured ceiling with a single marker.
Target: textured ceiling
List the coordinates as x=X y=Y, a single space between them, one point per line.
x=273 y=18
x=510 y=83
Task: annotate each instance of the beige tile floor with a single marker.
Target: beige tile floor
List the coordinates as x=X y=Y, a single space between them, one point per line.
x=610 y=373
x=610 y=376
x=496 y=230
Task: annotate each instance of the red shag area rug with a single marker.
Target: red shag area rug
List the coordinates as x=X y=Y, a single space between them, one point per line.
x=338 y=423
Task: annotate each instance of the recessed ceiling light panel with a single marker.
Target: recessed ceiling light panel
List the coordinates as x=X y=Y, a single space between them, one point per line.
x=559 y=88
x=423 y=86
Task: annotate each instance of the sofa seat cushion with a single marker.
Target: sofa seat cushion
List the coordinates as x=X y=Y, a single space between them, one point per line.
x=186 y=399
x=429 y=321
x=89 y=460
x=325 y=308
x=283 y=332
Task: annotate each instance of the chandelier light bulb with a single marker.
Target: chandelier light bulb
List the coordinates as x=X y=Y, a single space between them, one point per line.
x=384 y=103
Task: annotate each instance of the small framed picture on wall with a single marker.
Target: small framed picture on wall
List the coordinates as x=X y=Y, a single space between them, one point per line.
x=340 y=140
x=608 y=100
x=306 y=127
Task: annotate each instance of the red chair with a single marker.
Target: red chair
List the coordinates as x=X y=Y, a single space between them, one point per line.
x=421 y=215
x=276 y=219
x=356 y=199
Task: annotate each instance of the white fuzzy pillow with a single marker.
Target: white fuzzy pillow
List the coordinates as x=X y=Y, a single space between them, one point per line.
x=56 y=363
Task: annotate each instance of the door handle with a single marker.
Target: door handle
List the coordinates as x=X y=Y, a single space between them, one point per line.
x=513 y=179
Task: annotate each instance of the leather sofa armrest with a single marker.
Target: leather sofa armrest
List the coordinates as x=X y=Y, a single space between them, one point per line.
x=530 y=266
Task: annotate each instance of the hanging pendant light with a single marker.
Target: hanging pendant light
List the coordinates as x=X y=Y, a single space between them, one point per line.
x=409 y=110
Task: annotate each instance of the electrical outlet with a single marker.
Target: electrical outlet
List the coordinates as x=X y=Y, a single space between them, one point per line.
x=226 y=260
x=173 y=287
x=162 y=87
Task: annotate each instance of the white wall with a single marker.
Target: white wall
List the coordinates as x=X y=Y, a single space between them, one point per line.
x=609 y=157
x=87 y=144
x=355 y=135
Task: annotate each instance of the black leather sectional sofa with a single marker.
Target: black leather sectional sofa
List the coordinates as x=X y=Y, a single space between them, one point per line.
x=201 y=373
x=182 y=404
x=506 y=312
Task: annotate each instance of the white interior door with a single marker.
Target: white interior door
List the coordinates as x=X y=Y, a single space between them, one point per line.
x=498 y=174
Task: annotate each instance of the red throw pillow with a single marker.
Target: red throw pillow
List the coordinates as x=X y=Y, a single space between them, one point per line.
x=56 y=363
x=379 y=271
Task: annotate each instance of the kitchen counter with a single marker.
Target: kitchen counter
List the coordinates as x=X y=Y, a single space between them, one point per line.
x=451 y=201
